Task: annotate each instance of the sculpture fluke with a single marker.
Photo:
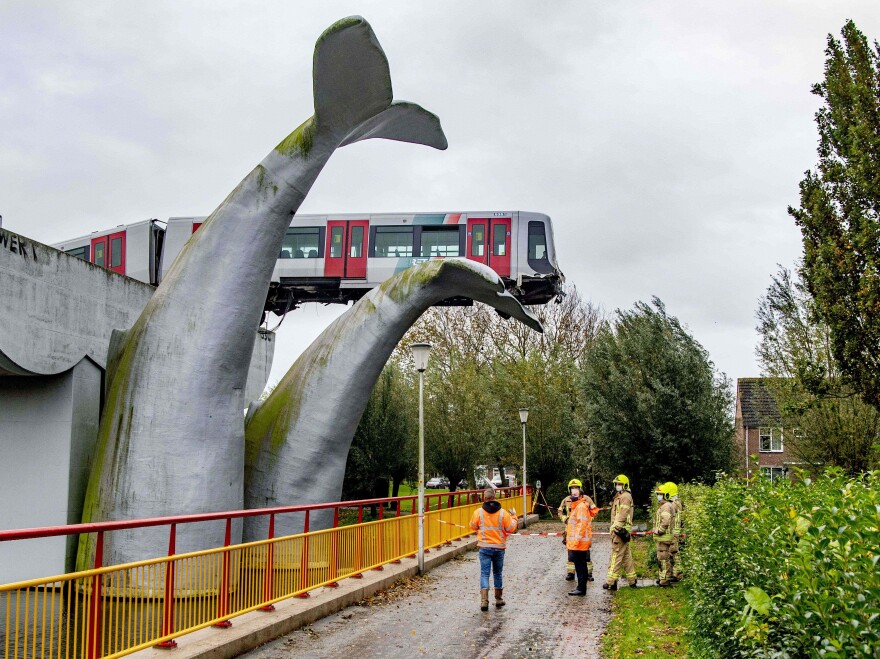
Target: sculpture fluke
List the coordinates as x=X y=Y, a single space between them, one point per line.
x=298 y=439
x=172 y=438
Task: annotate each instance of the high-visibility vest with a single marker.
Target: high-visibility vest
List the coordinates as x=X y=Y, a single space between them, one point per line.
x=493 y=528
x=579 y=529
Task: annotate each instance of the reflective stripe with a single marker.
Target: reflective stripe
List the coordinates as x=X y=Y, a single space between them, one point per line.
x=482 y=541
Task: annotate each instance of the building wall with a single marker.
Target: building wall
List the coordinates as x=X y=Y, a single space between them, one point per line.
x=48 y=425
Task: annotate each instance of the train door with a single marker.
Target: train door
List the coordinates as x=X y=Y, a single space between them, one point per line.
x=499 y=255
x=116 y=252
x=477 y=229
x=346 y=253
x=99 y=251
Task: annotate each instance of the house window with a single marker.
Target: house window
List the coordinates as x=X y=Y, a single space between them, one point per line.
x=774 y=473
x=770 y=440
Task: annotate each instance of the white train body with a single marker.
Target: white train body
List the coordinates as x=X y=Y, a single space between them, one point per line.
x=338 y=258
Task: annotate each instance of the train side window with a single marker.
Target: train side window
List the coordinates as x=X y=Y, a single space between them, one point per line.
x=336 y=242
x=79 y=252
x=440 y=241
x=393 y=241
x=99 y=254
x=537 y=242
x=499 y=240
x=301 y=243
x=478 y=240
x=357 y=242
x=116 y=252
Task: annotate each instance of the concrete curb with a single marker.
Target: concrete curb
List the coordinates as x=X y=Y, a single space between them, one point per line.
x=253 y=629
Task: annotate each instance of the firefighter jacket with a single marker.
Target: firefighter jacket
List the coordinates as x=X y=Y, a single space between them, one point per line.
x=663 y=522
x=676 y=524
x=493 y=524
x=565 y=509
x=579 y=528
x=622 y=511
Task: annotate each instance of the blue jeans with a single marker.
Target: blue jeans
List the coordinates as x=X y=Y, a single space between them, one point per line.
x=494 y=559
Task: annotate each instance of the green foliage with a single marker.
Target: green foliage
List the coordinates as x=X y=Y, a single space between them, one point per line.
x=384 y=445
x=840 y=209
x=785 y=569
x=835 y=426
x=655 y=407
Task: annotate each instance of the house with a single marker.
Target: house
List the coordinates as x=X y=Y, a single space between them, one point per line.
x=760 y=431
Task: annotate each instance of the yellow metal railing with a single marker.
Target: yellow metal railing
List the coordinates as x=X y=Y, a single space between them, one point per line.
x=116 y=610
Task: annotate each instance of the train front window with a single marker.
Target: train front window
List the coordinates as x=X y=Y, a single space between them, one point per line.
x=499 y=240
x=537 y=242
x=394 y=241
x=116 y=252
x=478 y=240
x=79 y=252
x=357 y=242
x=301 y=243
x=440 y=241
x=99 y=253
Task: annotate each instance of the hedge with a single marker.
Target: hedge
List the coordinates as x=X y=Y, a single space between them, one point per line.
x=785 y=569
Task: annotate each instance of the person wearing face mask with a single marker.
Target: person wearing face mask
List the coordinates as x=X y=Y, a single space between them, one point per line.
x=579 y=535
x=621 y=527
x=664 y=521
x=564 y=511
x=674 y=560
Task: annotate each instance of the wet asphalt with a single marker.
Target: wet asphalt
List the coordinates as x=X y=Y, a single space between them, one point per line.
x=439 y=615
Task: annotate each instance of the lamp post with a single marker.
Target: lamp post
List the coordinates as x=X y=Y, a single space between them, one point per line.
x=524 y=417
x=420 y=352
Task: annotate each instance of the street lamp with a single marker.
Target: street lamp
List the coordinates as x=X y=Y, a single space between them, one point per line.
x=420 y=352
x=524 y=417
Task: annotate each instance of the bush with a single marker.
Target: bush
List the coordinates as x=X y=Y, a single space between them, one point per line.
x=785 y=569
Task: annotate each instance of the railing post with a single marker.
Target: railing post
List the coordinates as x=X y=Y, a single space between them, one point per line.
x=168 y=609
x=223 y=594
x=359 y=545
x=334 y=550
x=96 y=637
x=304 y=560
x=380 y=535
x=268 y=579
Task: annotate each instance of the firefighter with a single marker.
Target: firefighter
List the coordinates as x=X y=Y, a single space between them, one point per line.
x=664 y=521
x=493 y=524
x=579 y=535
x=676 y=533
x=563 y=511
x=620 y=529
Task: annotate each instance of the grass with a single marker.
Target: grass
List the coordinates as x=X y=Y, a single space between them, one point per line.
x=647 y=622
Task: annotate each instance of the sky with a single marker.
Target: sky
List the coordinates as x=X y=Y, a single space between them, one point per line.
x=665 y=139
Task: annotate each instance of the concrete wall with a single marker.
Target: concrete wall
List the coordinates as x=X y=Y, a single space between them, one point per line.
x=48 y=427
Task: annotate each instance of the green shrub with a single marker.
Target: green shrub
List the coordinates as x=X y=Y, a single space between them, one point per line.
x=785 y=569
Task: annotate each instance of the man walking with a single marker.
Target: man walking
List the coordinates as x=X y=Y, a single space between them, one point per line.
x=621 y=527
x=663 y=524
x=493 y=524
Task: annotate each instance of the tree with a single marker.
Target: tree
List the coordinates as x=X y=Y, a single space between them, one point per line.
x=384 y=442
x=655 y=406
x=840 y=208
x=835 y=427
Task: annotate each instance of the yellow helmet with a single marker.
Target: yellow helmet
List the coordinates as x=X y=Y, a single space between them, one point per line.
x=671 y=489
x=574 y=482
x=664 y=490
x=623 y=480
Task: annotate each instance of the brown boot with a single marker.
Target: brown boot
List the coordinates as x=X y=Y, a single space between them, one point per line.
x=484 y=599
x=499 y=600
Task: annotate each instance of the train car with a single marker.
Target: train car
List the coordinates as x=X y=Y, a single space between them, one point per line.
x=338 y=258
x=129 y=249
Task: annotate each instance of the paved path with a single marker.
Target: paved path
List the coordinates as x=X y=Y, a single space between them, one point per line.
x=439 y=615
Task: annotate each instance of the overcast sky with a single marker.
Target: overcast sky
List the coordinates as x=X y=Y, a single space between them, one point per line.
x=665 y=139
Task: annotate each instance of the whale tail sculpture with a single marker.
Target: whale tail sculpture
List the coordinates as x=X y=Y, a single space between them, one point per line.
x=171 y=439
x=298 y=438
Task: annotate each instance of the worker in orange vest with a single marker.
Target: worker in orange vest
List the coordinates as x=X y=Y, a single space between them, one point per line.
x=493 y=524
x=579 y=535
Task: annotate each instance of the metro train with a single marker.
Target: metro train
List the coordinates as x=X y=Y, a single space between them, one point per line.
x=338 y=258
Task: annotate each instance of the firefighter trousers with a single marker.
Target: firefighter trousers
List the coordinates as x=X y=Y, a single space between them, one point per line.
x=621 y=561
